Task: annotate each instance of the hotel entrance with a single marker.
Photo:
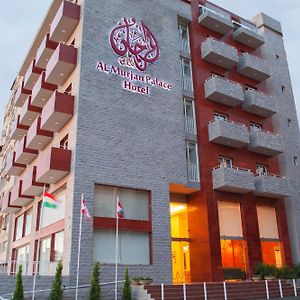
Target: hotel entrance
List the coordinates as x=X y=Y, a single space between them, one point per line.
x=180 y=243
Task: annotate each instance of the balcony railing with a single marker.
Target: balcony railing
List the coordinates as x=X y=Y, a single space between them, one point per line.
x=12 y=167
x=65 y=22
x=17 y=199
x=45 y=51
x=30 y=187
x=224 y=91
x=42 y=91
x=57 y=112
x=219 y=53
x=24 y=155
x=37 y=138
x=29 y=113
x=17 y=130
x=265 y=142
x=215 y=19
x=53 y=165
x=6 y=207
x=233 y=179
x=190 y=125
x=193 y=172
x=61 y=64
x=228 y=133
x=187 y=83
x=271 y=186
x=32 y=75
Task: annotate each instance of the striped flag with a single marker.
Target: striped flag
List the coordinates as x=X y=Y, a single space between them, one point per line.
x=85 y=211
x=120 y=209
x=50 y=200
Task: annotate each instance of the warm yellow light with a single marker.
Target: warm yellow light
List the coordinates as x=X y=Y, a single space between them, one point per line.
x=175 y=208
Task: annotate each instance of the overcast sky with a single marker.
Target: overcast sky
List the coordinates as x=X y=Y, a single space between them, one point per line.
x=19 y=22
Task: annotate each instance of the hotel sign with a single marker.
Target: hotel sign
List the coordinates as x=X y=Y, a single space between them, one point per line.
x=136 y=47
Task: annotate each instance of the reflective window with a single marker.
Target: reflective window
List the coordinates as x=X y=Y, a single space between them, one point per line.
x=19 y=227
x=28 y=222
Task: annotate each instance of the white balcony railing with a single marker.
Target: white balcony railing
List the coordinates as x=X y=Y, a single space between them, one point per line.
x=187 y=83
x=223 y=15
x=193 y=172
x=184 y=46
x=190 y=125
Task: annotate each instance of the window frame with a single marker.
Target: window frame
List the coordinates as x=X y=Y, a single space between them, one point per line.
x=223 y=161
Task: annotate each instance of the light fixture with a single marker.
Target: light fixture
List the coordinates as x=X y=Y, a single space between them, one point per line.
x=56 y=123
x=175 y=208
x=61 y=74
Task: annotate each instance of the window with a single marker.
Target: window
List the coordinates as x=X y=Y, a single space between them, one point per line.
x=184 y=38
x=28 y=222
x=289 y=122
x=45 y=255
x=64 y=143
x=22 y=257
x=133 y=247
x=134 y=238
x=250 y=87
x=49 y=217
x=192 y=159
x=58 y=246
x=282 y=88
x=19 y=227
x=219 y=116
x=186 y=69
x=136 y=202
x=225 y=162
x=189 y=113
x=255 y=127
x=261 y=169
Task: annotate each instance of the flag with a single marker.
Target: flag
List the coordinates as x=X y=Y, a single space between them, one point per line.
x=85 y=211
x=120 y=210
x=50 y=200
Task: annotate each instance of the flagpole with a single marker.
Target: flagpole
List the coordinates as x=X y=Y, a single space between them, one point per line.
x=38 y=246
x=117 y=246
x=79 y=246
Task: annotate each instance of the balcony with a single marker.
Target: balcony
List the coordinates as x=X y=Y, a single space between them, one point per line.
x=30 y=187
x=42 y=91
x=17 y=198
x=29 y=113
x=13 y=168
x=234 y=180
x=61 y=64
x=57 y=112
x=228 y=133
x=37 y=138
x=21 y=95
x=6 y=207
x=215 y=19
x=271 y=186
x=219 y=53
x=265 y=142
x=45 y=51
x=65 y=22
x=53 y=165
x=249 y=36
x=224 y=91
x=31 y=76
x=253 y=67
x=258 y=103
x=24 y=155
x=17 y=130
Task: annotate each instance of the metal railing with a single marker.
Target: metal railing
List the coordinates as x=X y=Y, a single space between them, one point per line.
x=223 y=15
x=228 y=121
x=218 y=41
x=193 y=172
x=184 y=45
x=222 y=78
x=232 y=167
x=187 y=83
x=190 y=125
x=269 y=174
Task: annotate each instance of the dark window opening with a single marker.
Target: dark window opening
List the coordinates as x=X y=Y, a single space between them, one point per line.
x=64 y=143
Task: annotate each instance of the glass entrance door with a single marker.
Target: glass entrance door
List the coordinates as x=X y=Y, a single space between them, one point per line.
x=180 y=243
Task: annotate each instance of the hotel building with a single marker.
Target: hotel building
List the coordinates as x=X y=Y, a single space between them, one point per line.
x=181 y=109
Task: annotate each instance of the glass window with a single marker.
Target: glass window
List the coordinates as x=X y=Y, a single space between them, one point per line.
x=179 y=220
x=133 y=247
x=225 y=162
x=51 y=215
x=272 y=253
x=22 y=257
x=192 y=159
x=230 y=221
x=267 y=222
x=186 y=68
x=134 y=202
x=218 y=116
x=189 y=113
x=28 y=222
x=45 y=254
x=261 y=169
x=19 y=227
x=184 y=38
x=255 y=127
x=58 y=246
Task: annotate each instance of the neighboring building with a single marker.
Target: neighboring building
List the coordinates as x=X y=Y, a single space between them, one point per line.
x=182 y=110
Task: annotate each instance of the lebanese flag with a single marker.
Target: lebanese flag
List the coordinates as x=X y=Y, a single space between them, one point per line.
x=120 y=209
x=85 y=211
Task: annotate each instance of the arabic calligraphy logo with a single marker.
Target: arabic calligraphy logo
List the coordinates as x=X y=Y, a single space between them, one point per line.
x=134 y=41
